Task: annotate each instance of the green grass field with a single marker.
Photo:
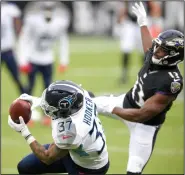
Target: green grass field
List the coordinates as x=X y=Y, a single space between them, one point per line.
x=95 y=63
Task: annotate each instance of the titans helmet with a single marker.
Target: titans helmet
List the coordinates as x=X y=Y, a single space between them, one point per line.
x=62 y=99
x=172 y=42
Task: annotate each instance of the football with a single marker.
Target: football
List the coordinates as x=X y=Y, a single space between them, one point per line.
x=20 y=108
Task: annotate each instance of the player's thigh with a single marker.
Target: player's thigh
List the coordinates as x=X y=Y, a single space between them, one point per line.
x=46 y=70
x=31 y=164
x=46 y=74
x=142 y=140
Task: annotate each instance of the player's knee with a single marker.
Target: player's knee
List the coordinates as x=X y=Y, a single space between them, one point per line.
x=22 y=168
x=135 y=164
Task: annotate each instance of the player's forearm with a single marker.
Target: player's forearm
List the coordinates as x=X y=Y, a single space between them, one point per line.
x=64 y=49
x=146 y=38
x=41 y=152
x=133 y=115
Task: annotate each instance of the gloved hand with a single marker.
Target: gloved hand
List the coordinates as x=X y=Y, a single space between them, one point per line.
x=22 y=127
x=26 y=69
x=105 y=104
x=139 y=11
x=34 y=101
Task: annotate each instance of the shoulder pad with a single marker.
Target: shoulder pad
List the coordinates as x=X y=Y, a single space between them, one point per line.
x=66 y=136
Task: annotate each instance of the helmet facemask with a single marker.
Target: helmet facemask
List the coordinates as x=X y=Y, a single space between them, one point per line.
x=48 y=110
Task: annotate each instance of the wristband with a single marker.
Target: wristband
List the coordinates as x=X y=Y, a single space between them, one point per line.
x=30 y=139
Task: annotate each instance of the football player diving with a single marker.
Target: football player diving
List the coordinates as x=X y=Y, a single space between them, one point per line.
x=144 y=107
x=79 y=145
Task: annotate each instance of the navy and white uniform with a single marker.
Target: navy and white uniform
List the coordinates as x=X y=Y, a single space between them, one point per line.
x=83 y=135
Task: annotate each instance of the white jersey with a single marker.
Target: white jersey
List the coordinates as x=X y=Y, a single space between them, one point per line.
x=9 y=11
x=83 y=135
x=39 y=37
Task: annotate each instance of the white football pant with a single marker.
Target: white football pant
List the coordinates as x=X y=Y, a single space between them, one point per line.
x=142 y=137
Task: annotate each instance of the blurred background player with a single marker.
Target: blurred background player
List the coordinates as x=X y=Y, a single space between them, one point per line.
x=10 y=29
x=129 y=33
x=45 y=24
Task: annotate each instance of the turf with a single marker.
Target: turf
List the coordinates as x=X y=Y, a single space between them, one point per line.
x=95 y=63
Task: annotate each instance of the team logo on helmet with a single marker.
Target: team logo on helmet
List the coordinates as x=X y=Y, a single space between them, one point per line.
x=175 y=87
x=66 y=102
x=177 y=42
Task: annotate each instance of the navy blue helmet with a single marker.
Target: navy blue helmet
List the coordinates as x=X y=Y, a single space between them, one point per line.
x=62 y=99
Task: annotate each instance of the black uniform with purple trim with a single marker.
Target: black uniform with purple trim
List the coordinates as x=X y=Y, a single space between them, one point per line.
x=154 y=79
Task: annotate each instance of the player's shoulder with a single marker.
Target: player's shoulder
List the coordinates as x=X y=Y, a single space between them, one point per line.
x=170 y=81
x=65 y=134
x=171 y=74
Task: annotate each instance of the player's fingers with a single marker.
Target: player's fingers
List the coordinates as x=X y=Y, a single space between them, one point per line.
x=10 y=121
x=139 y=8
x=137 y=5
x=134 y=10
x=142 y=7
x=21 y=120
x=134 y=7
x=26 y=97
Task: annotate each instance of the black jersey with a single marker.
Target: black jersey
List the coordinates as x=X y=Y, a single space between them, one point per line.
x=154 y=79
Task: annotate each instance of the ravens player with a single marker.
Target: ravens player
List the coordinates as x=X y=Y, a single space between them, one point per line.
x=79 y=142
x=144 y=107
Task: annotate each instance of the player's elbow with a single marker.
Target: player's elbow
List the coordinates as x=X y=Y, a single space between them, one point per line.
x=48 y=159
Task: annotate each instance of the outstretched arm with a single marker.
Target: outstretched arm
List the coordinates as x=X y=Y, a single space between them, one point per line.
x=151 y=108
x=139 y=11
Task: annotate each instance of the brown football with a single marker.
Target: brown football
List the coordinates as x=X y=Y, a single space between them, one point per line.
x=20 y=108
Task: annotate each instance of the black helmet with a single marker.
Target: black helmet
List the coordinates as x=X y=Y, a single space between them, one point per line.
x=62 y=99
x=172 y=41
